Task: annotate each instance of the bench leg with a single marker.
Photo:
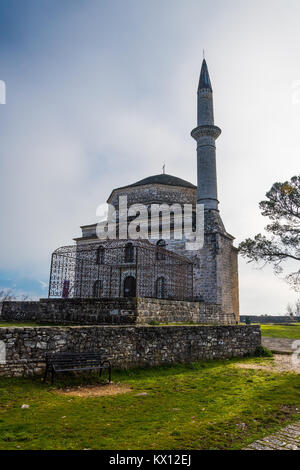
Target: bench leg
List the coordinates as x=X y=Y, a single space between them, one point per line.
x=52 y=376
x=109 y=374
x=100 y=372
x=46 y=372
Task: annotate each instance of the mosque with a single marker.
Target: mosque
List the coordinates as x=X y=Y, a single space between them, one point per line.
x=158 y=267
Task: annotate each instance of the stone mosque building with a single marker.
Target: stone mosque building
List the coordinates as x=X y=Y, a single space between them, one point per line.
x=159 y=268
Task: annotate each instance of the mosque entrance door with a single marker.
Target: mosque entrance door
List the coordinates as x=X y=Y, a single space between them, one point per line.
x=129 y=287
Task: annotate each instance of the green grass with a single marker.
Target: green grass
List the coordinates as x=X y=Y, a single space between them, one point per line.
x=212 y=405
x=281 y=331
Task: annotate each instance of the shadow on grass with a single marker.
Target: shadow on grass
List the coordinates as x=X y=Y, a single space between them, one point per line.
x=209 y=405
x=70 y=379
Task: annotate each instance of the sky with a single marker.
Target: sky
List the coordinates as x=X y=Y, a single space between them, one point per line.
x=100 y=93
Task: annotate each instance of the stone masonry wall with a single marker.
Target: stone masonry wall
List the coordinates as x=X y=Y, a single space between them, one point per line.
x=125 y=346
x=227 y=276
x=235 y=283
x=154 y=194
x=166 y=311
x=122 y=311
x=73 y=311
x=205 y=271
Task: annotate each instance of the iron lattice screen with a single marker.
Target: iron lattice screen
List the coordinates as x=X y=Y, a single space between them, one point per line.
x=118 y=269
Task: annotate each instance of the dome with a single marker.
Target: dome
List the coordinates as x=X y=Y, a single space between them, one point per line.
x=163 y=179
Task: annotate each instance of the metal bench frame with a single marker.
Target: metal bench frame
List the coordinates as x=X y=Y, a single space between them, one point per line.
x=75 y=361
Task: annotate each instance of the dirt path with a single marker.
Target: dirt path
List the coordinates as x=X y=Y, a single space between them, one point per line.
x=281 y=363
x=279 y=345
x=95 y=390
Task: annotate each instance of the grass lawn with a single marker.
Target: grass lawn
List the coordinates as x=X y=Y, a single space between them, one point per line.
x=281 y=331
x=211 y=405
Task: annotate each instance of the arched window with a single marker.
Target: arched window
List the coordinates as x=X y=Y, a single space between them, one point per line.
x=66 y=289
x=159 y=254
x=129 y=253
x=97 y=289
x=100 y=254
x=129 y=286
x=194 y=220
x=160 y=288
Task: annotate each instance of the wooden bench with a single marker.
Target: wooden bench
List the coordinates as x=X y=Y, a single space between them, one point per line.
x=75 y=361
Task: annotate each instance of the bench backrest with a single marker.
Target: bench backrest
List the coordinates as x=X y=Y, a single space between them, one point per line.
x=84 y=358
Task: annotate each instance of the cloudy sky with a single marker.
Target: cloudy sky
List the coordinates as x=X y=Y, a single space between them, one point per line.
x=101 y=92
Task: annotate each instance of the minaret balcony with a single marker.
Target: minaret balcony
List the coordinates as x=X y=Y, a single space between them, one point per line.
x=206 y=131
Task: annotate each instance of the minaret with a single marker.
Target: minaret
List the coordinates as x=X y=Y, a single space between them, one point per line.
x=206 y=134
x=216 y=274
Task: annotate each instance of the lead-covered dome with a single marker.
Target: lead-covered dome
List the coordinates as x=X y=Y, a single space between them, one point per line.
x=157 y=189
x=168 y=180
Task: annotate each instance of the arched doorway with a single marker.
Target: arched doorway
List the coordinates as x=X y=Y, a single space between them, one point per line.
x=97 y=289
x=129 y=286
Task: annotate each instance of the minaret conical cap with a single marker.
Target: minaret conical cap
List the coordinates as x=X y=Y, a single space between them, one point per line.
x=204 y=81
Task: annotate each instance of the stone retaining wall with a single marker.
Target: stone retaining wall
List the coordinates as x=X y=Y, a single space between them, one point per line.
x=125 y=346
x=72 y=311
x=121 y=311
x=264 y=320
